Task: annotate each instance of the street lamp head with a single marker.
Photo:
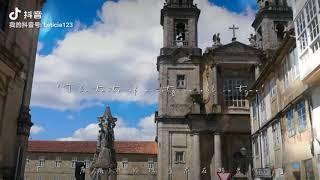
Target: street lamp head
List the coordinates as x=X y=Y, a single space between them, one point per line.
x=243 y=151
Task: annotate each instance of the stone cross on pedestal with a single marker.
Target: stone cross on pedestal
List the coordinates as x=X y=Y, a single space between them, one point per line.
x=234 y=28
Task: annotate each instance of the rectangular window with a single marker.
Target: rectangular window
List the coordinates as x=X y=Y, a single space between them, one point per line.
x=179 y=156
x=41 y=162
x=316 y=45
x=290 y=120
x=303 y=41
x=307 y=26
x=301 y=31
x=294 y=61
x=4 y=4
x=313 y=28
x=56 y=177
x=87 y=163
x=265 y=149
x=150 y=163
x=39 y=177
x=285 y=72
x=262 y=106
x=58 y=162
x=273 y=87
x=302 y=120
x=309 y=169
x=276 y=133
x=125 y=163
x=73 y=162
x=300 y=23
x=311 y=10
x=256 y=147
x=181 y=81
x=254 y=107
x=234 y=92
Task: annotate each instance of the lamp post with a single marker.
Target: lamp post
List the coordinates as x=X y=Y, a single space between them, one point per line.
x=186 y=171
x=247 y=160
x=243 y=151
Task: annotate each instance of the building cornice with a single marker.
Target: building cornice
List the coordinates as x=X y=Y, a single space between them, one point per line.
x=272 y=12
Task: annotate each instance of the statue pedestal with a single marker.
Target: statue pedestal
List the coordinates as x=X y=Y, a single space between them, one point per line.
x=103 y=174
x=113 y=175
x=108 y=177
x=105 y=177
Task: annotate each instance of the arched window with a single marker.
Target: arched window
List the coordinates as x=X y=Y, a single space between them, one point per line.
x=180 y=31
x=267 y=3
x=280 y=31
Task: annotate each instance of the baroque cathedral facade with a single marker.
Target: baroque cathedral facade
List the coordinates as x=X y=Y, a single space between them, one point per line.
x=203 y=119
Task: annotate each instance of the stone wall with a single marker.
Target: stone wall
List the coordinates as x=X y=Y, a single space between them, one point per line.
x=137 y=168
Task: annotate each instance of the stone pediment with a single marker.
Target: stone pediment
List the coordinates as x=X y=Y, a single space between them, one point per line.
x=235 y=48
x=234 y=52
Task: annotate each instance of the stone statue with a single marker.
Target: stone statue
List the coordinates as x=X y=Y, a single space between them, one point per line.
x=253 y=40
x=104 y=164
x=216 y=39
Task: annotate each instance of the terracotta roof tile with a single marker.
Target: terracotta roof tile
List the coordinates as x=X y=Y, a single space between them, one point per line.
x=122 y=147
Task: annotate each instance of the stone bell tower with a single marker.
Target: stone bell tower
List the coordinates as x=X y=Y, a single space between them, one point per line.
x=271 y=22
x=179 y=19
x=179 y=75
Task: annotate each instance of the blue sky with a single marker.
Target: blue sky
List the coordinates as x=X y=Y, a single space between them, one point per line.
x=65 y=116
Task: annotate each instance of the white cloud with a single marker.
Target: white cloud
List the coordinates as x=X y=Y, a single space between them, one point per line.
x=145 y=131
x=35 y=129
x=39 y=47
x=119 y=49
x=214 y=19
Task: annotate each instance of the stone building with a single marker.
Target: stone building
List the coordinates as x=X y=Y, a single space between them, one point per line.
x=17 y=59
x=306 y=17
x=203 y=120
x=282 y=104
x=55 y=160
x=281 y=121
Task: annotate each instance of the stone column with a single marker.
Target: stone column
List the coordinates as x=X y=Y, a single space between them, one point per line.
x=196 y=162
x=214 y=85
x=217 y=155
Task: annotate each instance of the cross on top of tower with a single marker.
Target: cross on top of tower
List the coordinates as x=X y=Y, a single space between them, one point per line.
x=234 y=28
